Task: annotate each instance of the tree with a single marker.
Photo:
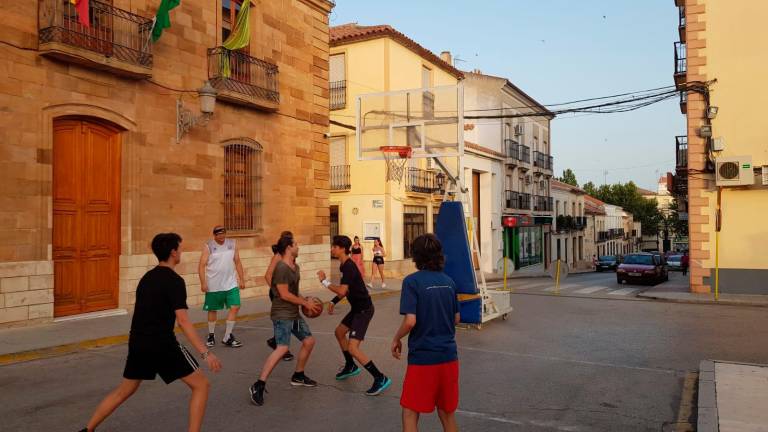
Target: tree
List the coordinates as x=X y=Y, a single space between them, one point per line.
x=590 y=189
x=569 y=177
x=626 y=196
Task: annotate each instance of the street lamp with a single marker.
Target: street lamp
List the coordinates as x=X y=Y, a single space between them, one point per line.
x=186 y=120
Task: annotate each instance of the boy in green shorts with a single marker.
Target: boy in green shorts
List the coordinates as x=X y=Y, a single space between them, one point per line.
x=221 y=279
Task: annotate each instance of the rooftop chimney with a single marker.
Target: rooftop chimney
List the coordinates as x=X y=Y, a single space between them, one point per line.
x=446 y=57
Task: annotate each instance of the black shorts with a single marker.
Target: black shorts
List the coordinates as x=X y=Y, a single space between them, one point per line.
x=357 y=322
x=170 y=361
x=378 y=259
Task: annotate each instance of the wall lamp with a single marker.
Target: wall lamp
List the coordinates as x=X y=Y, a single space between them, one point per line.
x=186 y=120
x=712 y=112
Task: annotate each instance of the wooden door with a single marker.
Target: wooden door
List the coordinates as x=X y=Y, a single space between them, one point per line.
x=86 y=216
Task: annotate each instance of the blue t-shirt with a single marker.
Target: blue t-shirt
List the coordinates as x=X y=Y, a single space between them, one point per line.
x=431 y=296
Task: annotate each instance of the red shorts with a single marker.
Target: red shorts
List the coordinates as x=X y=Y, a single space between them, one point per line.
x=430 y=386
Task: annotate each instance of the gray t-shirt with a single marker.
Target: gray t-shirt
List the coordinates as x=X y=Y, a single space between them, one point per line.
x=284 y=274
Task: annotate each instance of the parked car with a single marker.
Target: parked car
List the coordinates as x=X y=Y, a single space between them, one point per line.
x=642 y=267
x=675 y=263
x=607 y=262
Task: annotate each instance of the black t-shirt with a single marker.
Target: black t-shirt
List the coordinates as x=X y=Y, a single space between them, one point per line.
x=358 y=295
x=160 y=293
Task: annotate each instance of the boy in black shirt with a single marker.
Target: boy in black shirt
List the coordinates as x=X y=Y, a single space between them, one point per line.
x=161 y=300
x=356 y=322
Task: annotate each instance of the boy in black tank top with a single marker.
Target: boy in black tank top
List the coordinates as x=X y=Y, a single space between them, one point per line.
x=356 y=322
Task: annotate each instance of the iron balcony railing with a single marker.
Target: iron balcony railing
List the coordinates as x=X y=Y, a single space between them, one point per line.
x=681 y=152
x=240 y=73
x=517 y=200
x=602 y=236
x=112 y=32
x=542 y=203
x=542 y=160
x=681 y=63
x=615 y=233
x=580 y=222
x=422 y=181
x=338 y=90
x=681 y=23
x=525 y=153
x=340 y=178
x=512 y=149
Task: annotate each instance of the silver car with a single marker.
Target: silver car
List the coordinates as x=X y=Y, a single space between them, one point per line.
x=675 y=263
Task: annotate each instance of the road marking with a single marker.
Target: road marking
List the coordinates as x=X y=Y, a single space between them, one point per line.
x=589 y=290
x=623 y=291
x=560 y=359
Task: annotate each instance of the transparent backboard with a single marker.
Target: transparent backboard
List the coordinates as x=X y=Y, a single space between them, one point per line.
x=429 y=120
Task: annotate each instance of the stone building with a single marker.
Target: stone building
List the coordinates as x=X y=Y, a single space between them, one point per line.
x=95 y=155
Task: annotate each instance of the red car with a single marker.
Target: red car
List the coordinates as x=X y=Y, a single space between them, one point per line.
x=642 y=267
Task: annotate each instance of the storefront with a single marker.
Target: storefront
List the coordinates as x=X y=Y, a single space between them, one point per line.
x=524 y=240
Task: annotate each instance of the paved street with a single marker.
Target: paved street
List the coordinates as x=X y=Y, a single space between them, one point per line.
x=558 y=364
x=592 y=284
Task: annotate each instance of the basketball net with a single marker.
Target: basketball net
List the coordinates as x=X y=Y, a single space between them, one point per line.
x=396 y=158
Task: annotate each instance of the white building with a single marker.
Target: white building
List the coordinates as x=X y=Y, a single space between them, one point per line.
x=568 y=231
x=614 y=226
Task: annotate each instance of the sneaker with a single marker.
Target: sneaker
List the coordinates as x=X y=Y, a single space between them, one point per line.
x=303 y=381
x=271 y=343
x=287 y=356
x=383 y=285
x=379 y=385
x=211 y=340
x=369 y=285
x=232 y=342
x=348 y=372
x=257 y=392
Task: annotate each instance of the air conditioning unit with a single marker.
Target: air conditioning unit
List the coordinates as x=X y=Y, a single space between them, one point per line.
x=734 y=171
x=519 y=130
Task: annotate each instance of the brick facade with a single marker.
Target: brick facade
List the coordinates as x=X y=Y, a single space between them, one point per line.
x=165 y=185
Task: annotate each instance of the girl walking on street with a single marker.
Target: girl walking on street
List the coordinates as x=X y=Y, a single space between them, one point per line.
x=357 y=256
x=378 y=262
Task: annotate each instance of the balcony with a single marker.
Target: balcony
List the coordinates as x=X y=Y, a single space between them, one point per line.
x=615 y=233
x=681 y=152
x=116 y=40
x=525 y=154
x=243 y=80
x=681 y=64
x=423 y=181
x=338 y=90
x=570 y=223
x=542 y=203
x=517 y=200
x=683 y=102
x=580 y=222
x=340 y=178
x=681 y=24
x=512 y=151
x=602 y=236
x=542 y=161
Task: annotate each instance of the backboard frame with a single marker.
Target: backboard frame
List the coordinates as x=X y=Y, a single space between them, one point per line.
x=420 y=152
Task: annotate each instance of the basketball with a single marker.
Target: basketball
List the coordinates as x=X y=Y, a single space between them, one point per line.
x=316 y=314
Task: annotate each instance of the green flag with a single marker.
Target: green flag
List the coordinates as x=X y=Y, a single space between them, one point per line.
x=163 y=19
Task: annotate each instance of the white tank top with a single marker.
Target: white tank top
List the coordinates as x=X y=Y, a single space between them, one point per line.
x=220 y=270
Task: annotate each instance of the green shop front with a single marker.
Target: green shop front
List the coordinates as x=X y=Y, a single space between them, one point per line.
x=526 y=239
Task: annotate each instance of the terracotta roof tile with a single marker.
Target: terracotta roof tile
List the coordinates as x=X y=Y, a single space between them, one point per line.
x=352 y=32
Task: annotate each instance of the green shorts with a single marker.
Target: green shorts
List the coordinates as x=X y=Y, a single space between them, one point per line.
x=222 y=299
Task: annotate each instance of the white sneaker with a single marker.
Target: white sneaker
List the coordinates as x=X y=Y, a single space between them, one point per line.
x=383 y=285
x=369 y=285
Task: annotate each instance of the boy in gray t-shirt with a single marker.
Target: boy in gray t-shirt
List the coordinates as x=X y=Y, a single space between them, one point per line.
x=286 y=320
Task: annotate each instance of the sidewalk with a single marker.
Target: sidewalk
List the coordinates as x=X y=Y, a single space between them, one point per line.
x=58 y=338
x=678 y=290
x=732 y=397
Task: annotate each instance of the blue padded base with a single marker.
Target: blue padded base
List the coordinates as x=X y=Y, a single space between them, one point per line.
x=451 y=229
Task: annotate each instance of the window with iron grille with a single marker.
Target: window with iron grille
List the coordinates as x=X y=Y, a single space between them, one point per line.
x=242 y=186
x=414 y=225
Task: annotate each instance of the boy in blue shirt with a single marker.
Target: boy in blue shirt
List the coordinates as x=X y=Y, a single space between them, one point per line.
x=430 y=312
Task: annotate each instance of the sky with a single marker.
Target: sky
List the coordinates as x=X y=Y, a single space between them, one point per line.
x=560 y=51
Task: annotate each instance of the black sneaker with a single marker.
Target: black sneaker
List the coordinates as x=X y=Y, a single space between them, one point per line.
x=271 y=343
x=303 y=380
x=347 y=372
x=287 y=356
x=211 y=340
x=232 y=342
x=379 y=385
x=257 y=392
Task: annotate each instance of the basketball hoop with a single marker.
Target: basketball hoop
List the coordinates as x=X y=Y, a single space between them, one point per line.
x=396 y=158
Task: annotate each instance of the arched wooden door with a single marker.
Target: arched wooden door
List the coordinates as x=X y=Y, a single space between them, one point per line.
x=86 y=216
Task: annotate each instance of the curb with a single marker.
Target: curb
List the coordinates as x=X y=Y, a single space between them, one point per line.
x=109 y=341
x=707 y=420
